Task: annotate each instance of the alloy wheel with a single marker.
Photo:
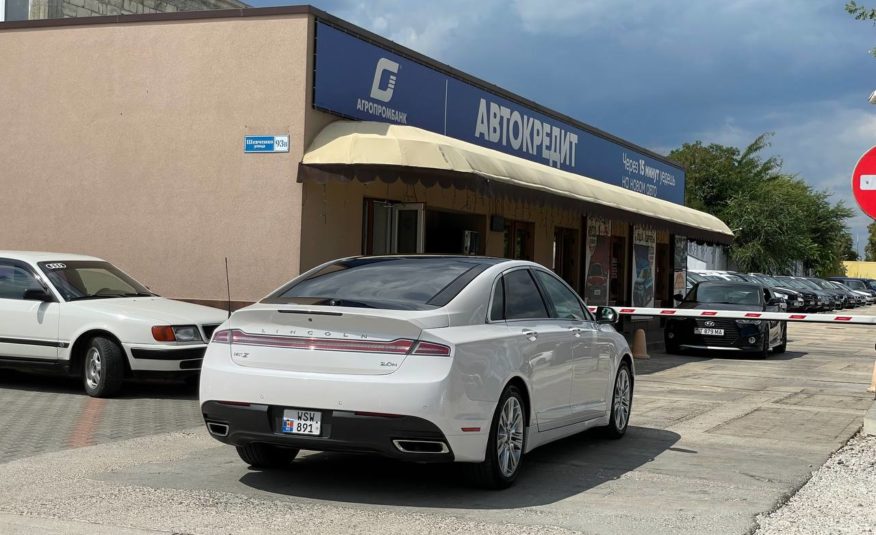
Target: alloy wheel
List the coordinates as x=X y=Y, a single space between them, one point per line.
x=509 y=436
x=93 y=368
x=622 y=395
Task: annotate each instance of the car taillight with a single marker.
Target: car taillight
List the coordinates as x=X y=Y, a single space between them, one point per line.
x=400 y=346
x=222 y=337
x=430 y=349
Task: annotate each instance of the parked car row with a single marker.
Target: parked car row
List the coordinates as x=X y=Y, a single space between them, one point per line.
x=729 y=290
x=802 y=294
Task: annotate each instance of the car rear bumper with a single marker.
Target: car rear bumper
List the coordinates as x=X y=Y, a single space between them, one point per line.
x=400 y=437
x=423 y=394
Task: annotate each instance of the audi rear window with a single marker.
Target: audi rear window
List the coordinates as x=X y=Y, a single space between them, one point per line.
x=395 y=283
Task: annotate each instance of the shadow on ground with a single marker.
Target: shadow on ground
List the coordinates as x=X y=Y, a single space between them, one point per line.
x=132 y=389
x=663 y=361
x=549 y=474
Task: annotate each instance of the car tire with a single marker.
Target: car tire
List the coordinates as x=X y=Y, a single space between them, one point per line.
x=499 y=469
x=103 y=368
x=672 y=347
x=621 y=403
x=781 y=348
x=266 y=455
x=764 y=351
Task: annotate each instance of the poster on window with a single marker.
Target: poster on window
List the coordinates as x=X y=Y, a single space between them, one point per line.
x=680 y=263
x=598 y=253
x=644 y=245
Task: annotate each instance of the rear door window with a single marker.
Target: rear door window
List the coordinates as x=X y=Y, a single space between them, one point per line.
x=522 y=298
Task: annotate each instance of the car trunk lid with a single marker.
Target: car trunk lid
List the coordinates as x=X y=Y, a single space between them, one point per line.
x=339 y=340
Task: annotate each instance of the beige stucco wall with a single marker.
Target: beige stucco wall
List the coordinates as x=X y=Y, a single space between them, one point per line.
x=126 y=142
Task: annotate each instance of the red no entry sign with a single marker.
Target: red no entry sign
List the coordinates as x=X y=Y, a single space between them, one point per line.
x=864 y=182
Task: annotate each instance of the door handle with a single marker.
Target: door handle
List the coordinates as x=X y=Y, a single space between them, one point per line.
x=576 y=331
x=532 y=335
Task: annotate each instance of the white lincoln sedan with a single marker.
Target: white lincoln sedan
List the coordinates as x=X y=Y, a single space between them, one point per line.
x=82 y=316
x=420 y=358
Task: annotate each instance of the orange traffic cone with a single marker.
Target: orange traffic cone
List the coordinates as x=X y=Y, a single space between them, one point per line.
x=872 y=381
x=640 y=346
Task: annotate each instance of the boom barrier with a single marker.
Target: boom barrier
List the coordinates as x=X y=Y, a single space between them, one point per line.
x=741 y=314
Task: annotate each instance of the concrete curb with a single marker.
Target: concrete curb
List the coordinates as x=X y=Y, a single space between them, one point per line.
x=870 y=421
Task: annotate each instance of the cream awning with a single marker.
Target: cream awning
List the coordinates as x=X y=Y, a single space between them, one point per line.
x=375 y=149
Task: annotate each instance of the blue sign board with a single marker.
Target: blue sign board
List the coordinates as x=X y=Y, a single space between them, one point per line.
x=266 y=144
x=361 y=80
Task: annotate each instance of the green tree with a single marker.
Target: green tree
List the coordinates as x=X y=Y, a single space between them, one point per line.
x=861 y=13
x=778 y=219
x=870 y=248
x=848 y=247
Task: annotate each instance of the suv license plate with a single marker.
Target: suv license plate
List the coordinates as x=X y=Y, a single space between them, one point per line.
x=300 y=422
x=709 y=332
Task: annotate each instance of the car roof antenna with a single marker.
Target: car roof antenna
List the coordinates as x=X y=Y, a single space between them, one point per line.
x=228 y=286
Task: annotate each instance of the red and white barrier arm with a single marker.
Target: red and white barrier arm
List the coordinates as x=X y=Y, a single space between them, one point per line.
x=741 y=314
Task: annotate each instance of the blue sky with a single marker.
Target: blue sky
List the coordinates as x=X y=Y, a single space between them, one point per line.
x=665 y=72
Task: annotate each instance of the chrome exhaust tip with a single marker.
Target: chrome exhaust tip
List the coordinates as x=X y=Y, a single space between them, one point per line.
x=220 y=430
x=421 y=446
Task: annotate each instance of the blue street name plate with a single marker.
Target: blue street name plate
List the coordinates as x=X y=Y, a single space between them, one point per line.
x=266 y=144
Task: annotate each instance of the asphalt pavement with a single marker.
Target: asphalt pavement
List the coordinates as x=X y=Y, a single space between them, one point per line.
x=713 y=442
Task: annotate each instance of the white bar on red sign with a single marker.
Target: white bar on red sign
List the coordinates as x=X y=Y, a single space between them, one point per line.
x=741 y=314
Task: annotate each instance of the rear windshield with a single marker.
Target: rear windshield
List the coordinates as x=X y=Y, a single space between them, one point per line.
x=387 y=283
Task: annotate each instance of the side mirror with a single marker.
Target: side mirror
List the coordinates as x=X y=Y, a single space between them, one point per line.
x=37 y=295
x=606 y=315
x=678 y=297
x=775 y=301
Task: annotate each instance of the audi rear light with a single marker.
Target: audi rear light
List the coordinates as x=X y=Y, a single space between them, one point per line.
x=430 y=349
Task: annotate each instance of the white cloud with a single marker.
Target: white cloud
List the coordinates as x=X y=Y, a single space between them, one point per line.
x=436 y=30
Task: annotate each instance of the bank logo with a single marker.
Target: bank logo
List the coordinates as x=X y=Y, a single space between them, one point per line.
x=384 y=94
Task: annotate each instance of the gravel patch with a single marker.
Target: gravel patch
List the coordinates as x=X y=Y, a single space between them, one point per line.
x=840 y=497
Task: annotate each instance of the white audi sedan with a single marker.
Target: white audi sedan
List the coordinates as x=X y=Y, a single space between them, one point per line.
x=420 y=358
x=82 y=316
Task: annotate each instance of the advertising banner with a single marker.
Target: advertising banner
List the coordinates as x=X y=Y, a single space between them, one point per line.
x=680 y=266
x=361 y=80
x=644 y=245
x=598 y=261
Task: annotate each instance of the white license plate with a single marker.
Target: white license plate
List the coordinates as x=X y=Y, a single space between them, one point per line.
x=299 y=422
x=709 y=332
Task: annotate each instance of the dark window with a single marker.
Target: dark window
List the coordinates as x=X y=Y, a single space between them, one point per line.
x=522 y=299
x=566 y=304
x=730 y=294
x=15 y=280
x=17 y=10
x=497 y=309
x=397 y=283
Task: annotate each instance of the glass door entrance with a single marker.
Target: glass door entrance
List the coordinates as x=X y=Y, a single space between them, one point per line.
x=394 y=228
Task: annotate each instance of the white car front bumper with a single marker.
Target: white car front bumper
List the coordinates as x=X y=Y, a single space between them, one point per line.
x=184 y=359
